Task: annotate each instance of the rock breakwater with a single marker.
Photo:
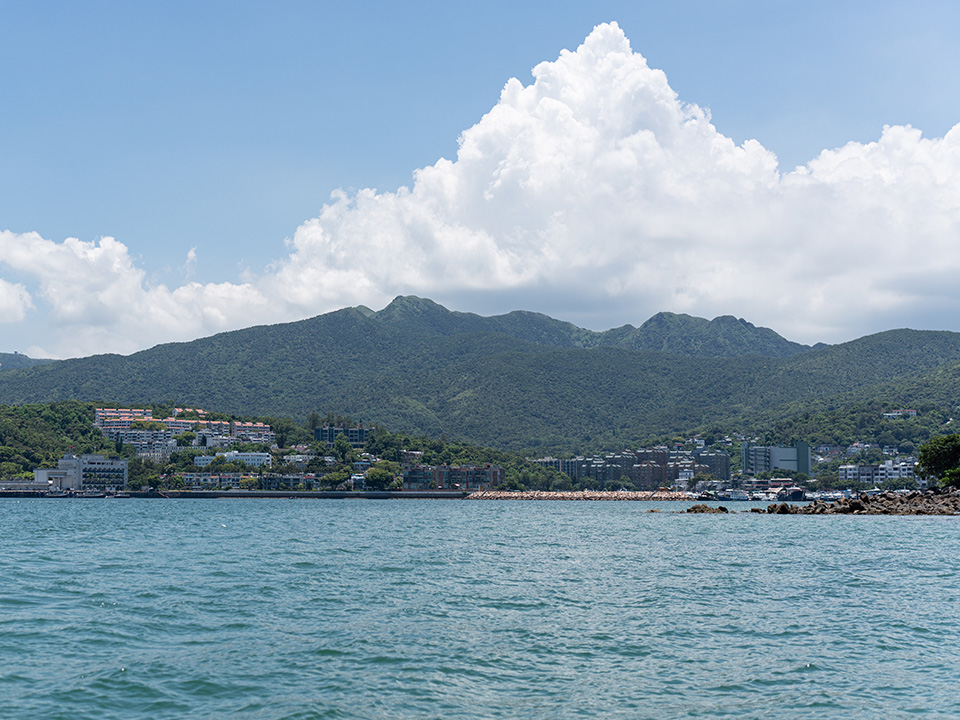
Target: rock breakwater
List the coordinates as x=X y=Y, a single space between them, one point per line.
x=577 y=495
x=933 y=502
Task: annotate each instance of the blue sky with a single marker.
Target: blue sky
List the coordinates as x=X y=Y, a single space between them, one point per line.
x=201 y=136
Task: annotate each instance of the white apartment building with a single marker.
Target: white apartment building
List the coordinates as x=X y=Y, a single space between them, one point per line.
x=888 y=470
x=250 y=459
x=86 y=472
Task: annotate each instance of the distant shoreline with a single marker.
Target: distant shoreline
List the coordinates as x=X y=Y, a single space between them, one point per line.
x=931 y=502
x=582 y=495
x=259 y=494
x=571 y=495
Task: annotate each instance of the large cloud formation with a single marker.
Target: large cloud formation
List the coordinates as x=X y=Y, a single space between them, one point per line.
x=593 y=193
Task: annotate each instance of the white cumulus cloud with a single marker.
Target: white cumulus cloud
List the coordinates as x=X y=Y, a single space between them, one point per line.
x=96 y=300
x=14 y=302
x=598 y=189
x=593 y=193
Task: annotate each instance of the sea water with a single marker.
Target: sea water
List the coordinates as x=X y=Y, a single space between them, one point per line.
x=280 y=608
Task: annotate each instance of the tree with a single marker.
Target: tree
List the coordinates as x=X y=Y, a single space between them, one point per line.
x=940 y=458
x=378 y=477
x=342 y=448
x=333 y=480
x=174 y=482
x=185 y=439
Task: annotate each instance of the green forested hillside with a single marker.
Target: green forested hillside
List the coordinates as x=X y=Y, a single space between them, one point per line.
x=37 y=435
x=518 y=381
x=16 y=361
x=672 y=333
x=725 y=336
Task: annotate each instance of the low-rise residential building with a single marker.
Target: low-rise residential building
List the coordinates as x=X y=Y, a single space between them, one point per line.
x=298 y=460
x=409 y=458
x=900 y=414
x=275 y=481
x=875 y=474
x=116 y=424
x=211 y=481
x=250 y=459
x=154 y=444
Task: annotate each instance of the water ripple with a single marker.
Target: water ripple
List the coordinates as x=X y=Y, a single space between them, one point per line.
x=268 y=609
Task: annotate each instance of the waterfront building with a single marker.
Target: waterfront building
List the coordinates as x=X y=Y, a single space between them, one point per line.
x=211 y=481
x=275 y=481
x=646 y=469
x=659 y=454
x=85 y=473
x=358 y=481
x=717 y=463
x=452 y=477
x=649 y=475
x=876 y=474
x=571 y=467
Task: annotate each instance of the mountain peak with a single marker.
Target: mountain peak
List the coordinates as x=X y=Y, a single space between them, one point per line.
x=411 y=304
x=724 y=336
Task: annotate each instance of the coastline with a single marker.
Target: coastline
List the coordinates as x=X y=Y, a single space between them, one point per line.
x=931 y=502
x=247 y=494
x=581 y=495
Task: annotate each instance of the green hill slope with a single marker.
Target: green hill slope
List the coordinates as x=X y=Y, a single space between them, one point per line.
x=516 y=381
x=17 y=361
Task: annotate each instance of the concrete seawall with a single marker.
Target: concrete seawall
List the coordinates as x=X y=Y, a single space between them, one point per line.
x=290 y=494
x=307 y=494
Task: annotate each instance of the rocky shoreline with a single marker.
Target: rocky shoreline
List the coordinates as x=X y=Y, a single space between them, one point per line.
x=932 y=502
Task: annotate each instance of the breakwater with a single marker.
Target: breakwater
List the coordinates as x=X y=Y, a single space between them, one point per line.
x=932 y=502
x=654 y=495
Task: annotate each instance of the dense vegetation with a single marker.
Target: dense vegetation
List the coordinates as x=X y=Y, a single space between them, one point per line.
x=526 y=382
x=940 y=458
x=34 y=436
x=38 y=435
x=16 y=361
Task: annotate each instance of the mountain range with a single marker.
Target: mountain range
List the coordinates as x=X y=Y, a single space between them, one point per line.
x=516 y=381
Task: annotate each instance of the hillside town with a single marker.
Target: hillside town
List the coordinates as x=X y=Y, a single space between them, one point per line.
x=214 y=453
x=222 y=458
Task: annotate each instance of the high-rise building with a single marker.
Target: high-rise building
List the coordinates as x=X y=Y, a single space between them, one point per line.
x=757 y=459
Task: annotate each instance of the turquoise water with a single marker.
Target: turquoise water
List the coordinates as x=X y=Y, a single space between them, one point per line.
x=459 y=609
